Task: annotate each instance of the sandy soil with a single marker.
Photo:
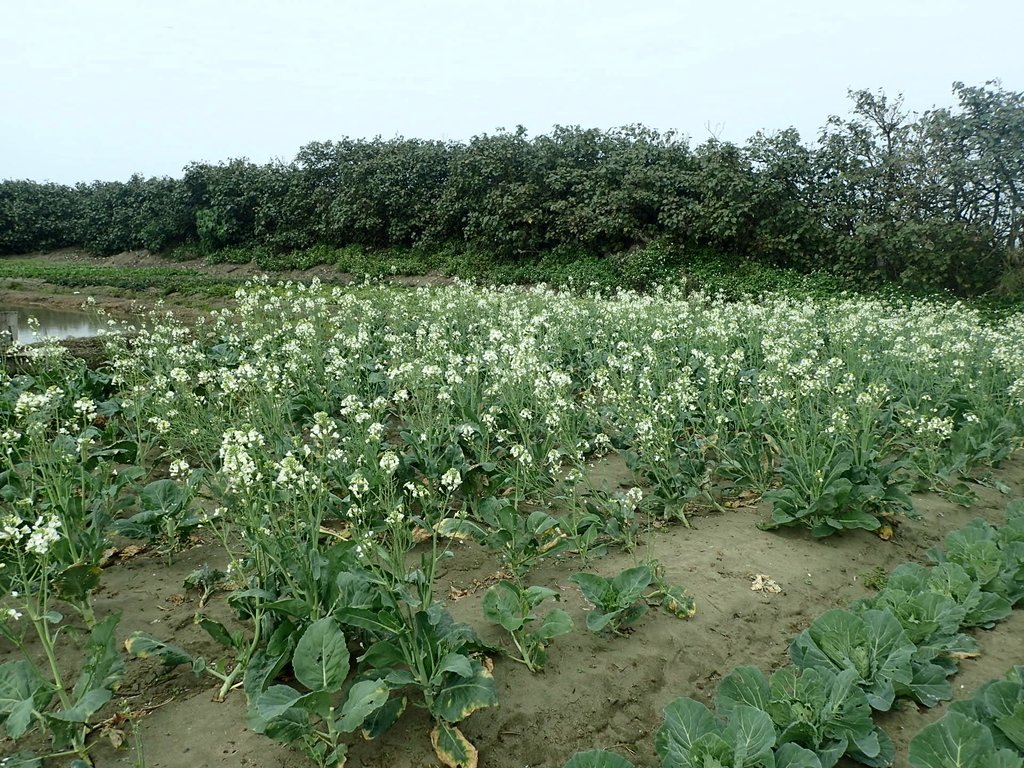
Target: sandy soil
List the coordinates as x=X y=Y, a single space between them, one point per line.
x=597 y=691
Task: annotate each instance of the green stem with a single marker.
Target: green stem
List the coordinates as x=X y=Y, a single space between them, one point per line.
x=525 y=656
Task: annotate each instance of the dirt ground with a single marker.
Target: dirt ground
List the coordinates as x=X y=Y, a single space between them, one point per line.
x=603 y=692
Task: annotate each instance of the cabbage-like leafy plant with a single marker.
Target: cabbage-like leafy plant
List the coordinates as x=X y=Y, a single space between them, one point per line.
x=166 y=512
x=999 y=705
x=317 y=717
x=957 y=741
x=981 y=609
x=819 y=710
x=692 y=737
x=512 y=607
x=932 y=622
x=992 y=557
x=873 y=644
x=521 y=540
x=35 y=695
x=597 y=758
x=617 y=601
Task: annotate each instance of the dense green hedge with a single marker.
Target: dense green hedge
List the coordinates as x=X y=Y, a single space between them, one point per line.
x=933 y=202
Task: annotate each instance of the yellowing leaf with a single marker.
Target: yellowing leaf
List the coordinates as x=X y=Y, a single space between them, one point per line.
x=452 y=748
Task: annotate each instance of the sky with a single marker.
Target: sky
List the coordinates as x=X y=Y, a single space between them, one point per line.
x=102 y=89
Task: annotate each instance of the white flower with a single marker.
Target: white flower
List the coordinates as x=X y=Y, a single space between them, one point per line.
x=179 y=468
x=291 y=475
x=13 y=614
x=417 y=491
x=521 y=454
x=44 y=533
x=86 y=408
x=358 y=485
x=633 y=497
x=162 y=426
x=389 y=462
x=10 y=528
x=451 y=480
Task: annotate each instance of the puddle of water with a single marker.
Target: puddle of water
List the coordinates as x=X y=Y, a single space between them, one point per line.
x=60 y=323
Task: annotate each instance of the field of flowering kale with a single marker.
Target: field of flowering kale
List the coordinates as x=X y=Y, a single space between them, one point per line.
x=498 y=527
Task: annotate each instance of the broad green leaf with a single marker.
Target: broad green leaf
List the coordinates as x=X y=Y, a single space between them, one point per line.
x=452 y=748
x=1012 y=726
x=597 y=758
x=104 y=666
x=928 y=686
x=380 y=721
x=597 y=621
x=399 y=678
x=536 y=595
x=458 y=663
x=1003 y=704
x=272 y=704
x=539 y=523
x=219 y=632
x=750 y=734
x=457 y=528
x=979 y=555
x=292 y=606
x=848 y=518
x=364 y=698
x=321 y=658
x=686 y=721
x=555 y=624
x=999 y=697
x=744 y=685
x=631 y=583
x=290 y=726
x=383 y=622
x=382 y=655
x=164 y=496
x=85 y=707
x=596 y=589
x=502 y=606
x=75 y=582
x=262 y=668
x=955 y=741
x=632 y=614
x=143 y=525
x=910 y=577
x=986 y=609
x=355 y=590
x=794 y=756
x=18 y=718
x=143 y=646
x=846 y=713
x=713 y=750
x=459 y=697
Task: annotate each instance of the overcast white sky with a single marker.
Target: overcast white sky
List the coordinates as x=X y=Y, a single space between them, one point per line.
x=99 y=89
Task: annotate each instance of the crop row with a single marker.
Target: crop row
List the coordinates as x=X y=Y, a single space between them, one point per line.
x=166 y=280
x=904 y=642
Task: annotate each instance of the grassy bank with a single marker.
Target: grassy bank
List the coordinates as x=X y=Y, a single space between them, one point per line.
x=220 y=274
